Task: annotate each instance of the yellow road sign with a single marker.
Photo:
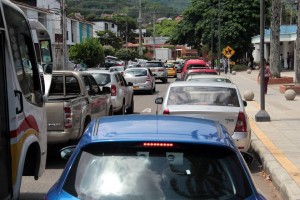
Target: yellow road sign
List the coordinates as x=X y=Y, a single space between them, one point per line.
x=228 y=51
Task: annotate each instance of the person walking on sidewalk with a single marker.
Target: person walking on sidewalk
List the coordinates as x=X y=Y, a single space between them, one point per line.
x=267 y=75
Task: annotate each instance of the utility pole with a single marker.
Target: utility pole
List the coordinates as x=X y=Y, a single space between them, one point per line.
x=219 y=38
x=212 y=37
x=154 y=44
x=140 y=28
x=126 y=32
x=64 y=33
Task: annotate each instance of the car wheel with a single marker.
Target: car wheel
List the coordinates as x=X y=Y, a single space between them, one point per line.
x=165 y=80
x=130 y=110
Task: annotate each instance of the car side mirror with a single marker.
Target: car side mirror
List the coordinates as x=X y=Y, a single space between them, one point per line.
x=129 y=83
x=66 y=152
x=245 y=103
x=159 y=100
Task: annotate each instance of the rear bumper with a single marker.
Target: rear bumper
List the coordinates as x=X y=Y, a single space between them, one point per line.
x=142 y=87
x=55 y=137
x=242 y=140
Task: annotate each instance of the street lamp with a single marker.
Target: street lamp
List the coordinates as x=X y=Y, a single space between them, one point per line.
x=262 y=115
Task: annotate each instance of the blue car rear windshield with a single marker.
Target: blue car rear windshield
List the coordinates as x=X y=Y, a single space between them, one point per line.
x=132 y=171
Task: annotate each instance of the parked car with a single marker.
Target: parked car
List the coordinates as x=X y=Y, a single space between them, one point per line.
x=74 y=100
x=142 y=79
x=122 y=96
x=120 y=69
x=208 y=78
x=199 y=72
x=155 y=157
x=158 y=70
x=192 y=64
x=178 y=66
x=212 y=100
x=171 y=70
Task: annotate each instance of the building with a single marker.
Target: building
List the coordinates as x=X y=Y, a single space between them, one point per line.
x=288 y=35
x=105 y=25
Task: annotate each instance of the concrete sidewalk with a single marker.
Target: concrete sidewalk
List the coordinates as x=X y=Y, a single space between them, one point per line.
x=276 y=142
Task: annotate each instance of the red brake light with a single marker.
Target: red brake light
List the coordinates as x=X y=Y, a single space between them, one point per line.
x=241 y=125
x=157 y=144
x=166 y=111
x=148 y=78
x=160 y=70
x=68 y=117
x=113 y=90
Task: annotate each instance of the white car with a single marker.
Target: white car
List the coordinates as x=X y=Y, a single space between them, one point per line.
x=142 y=79
x=218 y=101
x=121 y=90
x=208 y=78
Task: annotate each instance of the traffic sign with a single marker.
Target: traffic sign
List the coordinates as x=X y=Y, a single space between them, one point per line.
x=228 y=52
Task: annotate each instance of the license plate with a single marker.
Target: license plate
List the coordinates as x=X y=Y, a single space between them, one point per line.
x=135 y=87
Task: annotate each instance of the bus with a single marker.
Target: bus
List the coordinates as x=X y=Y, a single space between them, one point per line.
x=23 y=124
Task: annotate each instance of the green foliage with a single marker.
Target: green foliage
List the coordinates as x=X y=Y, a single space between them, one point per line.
x=239 y=21
x=109 y=38
x=89 y=52
x=109 y=50
x=126 y=54
x=239 y=67
x=122 y=21
x=165 y=28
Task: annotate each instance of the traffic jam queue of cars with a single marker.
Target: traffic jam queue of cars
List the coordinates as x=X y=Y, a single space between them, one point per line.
x=196 y=147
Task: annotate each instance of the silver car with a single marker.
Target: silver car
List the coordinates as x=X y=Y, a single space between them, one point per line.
x=142 y=79
x=219 y=101
x=158 y=70
x=208 y=78
x=121 y=90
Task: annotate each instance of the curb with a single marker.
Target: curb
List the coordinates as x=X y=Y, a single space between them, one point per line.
x=286 y=186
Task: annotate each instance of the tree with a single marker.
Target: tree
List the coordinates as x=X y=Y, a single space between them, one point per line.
x=122 y=21
x=297 y=67
x=238 y=19
x=165 y=28
x=109 y=50
x=89 y=52
x=126 y=54
x=275 y=38
x=109 y=38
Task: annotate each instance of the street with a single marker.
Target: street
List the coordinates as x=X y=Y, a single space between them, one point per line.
x=144 y=104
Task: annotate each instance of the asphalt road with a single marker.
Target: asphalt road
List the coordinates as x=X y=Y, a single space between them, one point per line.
x=144 y=104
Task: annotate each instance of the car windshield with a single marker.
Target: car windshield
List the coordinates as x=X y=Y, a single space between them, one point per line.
x=102 y=79
x=203 y=95
x=154 y=64
x=132 y=171
x=196 y=66
x=136 y=72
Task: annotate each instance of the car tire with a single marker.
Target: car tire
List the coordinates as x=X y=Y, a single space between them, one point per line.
x=130 y=110
x=165 y=80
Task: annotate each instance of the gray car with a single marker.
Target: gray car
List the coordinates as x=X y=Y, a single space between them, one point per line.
x=158 y=70
x=218 y=101
x=121 y=90
x=142 y=79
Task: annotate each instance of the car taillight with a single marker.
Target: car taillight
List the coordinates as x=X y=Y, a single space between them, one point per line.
x=68 y=117
x=148 y=78
x=113 y=89
x=160 y=70
x=166 y=111
x=157 y=144
x=241 y=125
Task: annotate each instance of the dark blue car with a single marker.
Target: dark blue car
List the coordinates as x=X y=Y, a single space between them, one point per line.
x=154 y=157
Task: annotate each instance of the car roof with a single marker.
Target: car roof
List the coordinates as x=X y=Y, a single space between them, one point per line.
x=157 y=128
x=196 y=61
x=208 y=76
x=99 y=71
x=145 y=68
x=208 y=84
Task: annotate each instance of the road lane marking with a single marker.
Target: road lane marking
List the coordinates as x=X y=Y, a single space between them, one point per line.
x=291 y=169
x=148 y=110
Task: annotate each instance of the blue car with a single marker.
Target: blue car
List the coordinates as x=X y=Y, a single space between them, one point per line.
x=151 y=157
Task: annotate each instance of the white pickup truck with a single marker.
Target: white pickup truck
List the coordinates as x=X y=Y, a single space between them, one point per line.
x=74 y=100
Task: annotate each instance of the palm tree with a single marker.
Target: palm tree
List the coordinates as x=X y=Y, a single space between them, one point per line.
x=275 y=38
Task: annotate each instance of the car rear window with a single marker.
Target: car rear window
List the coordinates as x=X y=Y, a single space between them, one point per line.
x=128 y=170
x=154 y=64
x=136 y=72
x=196 y=66
x=57 y=86
x=102 y=79
x=203 y=95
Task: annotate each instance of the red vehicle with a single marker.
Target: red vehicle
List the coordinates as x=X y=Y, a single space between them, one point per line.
x=193 y=64
x=207 y=71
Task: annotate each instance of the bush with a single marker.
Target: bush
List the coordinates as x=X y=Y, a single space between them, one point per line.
x=239 y=67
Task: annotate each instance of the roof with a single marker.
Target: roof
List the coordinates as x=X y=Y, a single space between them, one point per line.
x=195 y=61
x=156 y=128
x=284 y=29
x=205 y=84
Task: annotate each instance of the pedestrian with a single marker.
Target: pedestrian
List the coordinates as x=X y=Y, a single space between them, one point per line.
x=288 y=60
x=281 y=62
x=267 y=76
x=225 y=65
x=292 y=60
